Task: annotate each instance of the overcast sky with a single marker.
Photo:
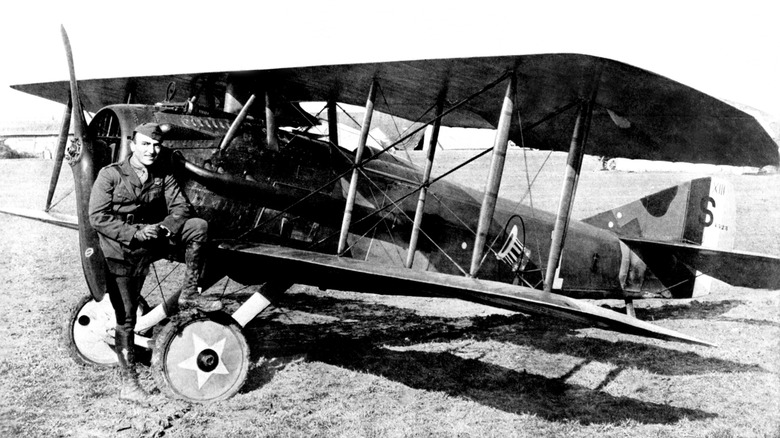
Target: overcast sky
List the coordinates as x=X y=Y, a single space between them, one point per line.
x=726 y=49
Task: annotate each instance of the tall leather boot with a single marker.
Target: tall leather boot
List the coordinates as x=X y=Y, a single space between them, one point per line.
x=130 y=390
x=189 y=298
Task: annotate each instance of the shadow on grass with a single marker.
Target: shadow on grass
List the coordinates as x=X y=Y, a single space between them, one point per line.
x=387 y=325
x=511 y=391
x=498 y=387
x=354 y=335
x=696 y=310
x=553 y=336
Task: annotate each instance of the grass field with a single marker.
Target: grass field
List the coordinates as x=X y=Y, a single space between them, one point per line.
x=337 y=363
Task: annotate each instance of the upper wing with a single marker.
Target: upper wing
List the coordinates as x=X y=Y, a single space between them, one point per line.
x=328 y=271
x=736 y=268
x=638 y=114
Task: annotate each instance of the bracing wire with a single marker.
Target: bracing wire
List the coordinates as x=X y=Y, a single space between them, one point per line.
x=397 y=130
x=393 y=203
x=376 y=156
x=159 y=286
x=62 y=198
x=529 y=182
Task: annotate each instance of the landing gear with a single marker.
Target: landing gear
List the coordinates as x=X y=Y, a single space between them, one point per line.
x=200 y=359
x=630 y=308
x=89 y=331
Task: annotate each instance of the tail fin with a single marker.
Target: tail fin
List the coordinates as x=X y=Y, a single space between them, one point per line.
x=714 y=227
x=699 y=212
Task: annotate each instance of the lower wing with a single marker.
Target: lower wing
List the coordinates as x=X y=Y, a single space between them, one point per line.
x=61 y=220
x=329 y=271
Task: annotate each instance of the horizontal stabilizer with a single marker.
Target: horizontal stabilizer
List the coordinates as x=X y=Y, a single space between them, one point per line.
x=736 y=268
x=329 y=271
x=61 y=220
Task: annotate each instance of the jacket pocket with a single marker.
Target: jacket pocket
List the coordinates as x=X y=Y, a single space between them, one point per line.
x=122 y=196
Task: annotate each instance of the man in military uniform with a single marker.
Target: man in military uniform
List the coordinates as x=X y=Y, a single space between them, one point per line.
x=141 y=214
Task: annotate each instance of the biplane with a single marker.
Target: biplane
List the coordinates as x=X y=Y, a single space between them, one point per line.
x=287 y=205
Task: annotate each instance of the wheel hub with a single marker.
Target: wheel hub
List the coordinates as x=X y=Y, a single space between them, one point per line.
x=208 y=360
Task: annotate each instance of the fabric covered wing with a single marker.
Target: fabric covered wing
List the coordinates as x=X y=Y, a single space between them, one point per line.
x=328 y=271
x=638 y=114
x=61 y=220
x=736 y=268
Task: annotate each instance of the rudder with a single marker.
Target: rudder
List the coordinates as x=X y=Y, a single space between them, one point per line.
x=711 y=222
x=699 y=212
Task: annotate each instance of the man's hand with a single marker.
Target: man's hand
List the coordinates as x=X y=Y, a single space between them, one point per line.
x=147 y=232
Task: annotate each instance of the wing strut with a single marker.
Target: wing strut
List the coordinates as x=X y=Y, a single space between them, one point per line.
x=270 y=123
x=236 y=123
x=62 y=141
x=356 y=171
x=418 y=214
x=571 y=177
x=494 y=177
x=333 y=123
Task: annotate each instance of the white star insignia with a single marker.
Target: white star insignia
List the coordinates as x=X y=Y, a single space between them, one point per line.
x=191 y=363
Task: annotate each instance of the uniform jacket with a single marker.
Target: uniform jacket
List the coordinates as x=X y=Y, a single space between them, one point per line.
x=120 y=205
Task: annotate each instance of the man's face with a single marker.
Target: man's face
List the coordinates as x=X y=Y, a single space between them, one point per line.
x=145 y=149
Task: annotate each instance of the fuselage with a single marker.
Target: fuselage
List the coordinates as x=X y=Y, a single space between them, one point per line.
x=295 y=196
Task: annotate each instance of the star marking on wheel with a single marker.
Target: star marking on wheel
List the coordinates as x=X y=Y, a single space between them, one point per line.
x=191 y=363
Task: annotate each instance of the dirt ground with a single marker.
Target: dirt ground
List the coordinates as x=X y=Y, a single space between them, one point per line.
x=336 y=363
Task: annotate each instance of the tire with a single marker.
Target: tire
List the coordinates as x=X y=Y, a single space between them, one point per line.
x=88 y=333
x=200 y=358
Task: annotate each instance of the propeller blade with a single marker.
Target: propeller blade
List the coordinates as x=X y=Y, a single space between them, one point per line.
x=79 y=122
x=84 y=172
x=60 y=153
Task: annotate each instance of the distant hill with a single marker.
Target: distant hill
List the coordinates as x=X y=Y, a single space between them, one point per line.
x=7 y=153
x=28 y=138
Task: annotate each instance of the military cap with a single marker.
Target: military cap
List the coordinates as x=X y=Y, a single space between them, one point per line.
x=151 y=130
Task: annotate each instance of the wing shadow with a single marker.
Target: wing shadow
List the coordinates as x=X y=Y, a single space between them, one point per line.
x=712 y=310
x=388 y=325
x=511 y=391
x=353 y=334
x=498 y=387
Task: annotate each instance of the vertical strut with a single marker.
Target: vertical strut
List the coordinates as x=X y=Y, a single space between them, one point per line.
x=333 y=123
x=355 y=172
x=270 y=123
x=232 y=105
x=237 y=123
x=571 y=177
x=60 y=152
x=494 y=177
x=418 y=214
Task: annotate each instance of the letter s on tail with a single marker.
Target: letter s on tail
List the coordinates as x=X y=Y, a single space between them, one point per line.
x=710 y=222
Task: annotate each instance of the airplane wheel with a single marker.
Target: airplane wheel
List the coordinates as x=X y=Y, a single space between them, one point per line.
x=89 y=331
x=200 y=359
